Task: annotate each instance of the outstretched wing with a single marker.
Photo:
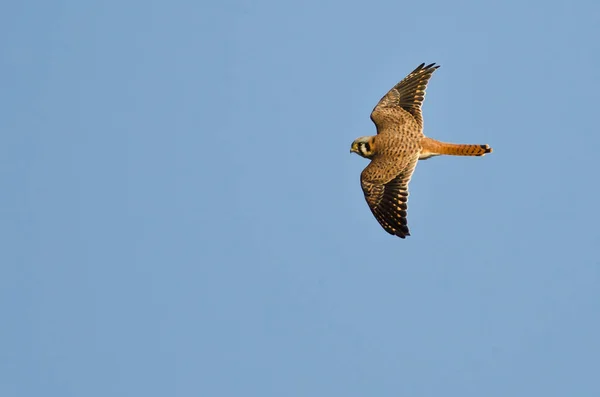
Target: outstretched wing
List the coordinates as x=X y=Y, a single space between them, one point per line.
x=388 y=200
x=403 y=102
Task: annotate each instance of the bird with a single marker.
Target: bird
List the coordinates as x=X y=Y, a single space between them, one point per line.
x=397 y=147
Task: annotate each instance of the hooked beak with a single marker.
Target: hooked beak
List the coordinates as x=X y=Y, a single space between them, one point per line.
x=354 y=148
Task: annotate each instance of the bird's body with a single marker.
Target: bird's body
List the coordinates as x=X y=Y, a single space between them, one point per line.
x=397 y=147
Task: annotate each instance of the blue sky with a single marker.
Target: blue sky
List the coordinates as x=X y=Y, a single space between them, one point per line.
x=181 y=215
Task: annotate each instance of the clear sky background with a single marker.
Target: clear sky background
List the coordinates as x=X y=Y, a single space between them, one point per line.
x=181 y=215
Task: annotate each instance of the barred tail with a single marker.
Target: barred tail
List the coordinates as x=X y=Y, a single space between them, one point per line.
x=431 y=147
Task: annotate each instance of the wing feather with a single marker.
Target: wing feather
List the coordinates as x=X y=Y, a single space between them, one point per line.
x=402 y=104
x=388 y=199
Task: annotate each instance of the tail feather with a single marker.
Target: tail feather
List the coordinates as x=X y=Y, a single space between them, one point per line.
x=431 y=147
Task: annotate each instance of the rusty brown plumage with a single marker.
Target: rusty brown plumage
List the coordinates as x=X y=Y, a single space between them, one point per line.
x=435 y=148
x=397 y=147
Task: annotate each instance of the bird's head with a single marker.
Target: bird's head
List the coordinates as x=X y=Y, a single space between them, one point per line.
x=364 y=146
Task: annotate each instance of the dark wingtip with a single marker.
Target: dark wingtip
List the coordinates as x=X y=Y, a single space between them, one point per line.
x=423 y=67
x=403 y=233
x=430 y=66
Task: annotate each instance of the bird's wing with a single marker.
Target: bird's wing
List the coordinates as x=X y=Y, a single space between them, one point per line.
x=388 y=199
x=403 y=102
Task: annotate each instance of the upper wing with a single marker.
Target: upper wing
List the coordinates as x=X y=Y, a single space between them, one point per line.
x=388 y=200
x=405 y=99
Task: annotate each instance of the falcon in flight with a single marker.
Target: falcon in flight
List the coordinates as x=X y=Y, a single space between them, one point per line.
x=397 y=147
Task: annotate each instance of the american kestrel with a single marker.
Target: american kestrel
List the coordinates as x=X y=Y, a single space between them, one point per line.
x=397 y=147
